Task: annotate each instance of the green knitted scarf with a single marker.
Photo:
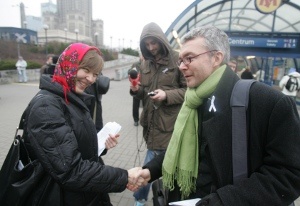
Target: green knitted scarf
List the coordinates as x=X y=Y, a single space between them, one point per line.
x=181 y=158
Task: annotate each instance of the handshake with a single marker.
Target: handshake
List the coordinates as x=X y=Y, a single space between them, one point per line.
x=137 y=178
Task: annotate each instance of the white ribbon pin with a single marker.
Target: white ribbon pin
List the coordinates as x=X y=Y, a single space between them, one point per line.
x=212 y=104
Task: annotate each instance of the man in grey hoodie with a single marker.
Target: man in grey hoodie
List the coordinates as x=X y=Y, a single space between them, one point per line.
x=161 y=88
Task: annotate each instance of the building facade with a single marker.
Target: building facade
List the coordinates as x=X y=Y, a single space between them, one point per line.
x=68 y=21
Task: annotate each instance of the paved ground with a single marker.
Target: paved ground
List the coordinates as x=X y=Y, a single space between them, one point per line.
x=117 y=106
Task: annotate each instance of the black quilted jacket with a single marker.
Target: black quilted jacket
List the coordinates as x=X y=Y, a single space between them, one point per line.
x=63 y=137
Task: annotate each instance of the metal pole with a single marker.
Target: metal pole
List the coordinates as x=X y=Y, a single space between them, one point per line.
x=76 y=31
x=66 y=34
x=111 y=43
x=18 y=48
x=46 y=44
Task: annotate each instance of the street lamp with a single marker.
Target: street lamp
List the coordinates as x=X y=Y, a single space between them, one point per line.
x=25 y=24
x=175 y=35
x=66 y=30
x=96 y=38
x=111 y=43
x=76 y=31
x=46 y=27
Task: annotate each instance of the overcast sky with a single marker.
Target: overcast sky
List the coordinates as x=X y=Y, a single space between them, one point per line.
x=123 y=19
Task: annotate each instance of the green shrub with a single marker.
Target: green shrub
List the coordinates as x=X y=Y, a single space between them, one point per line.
x=9 y=64
x=130 y=51
x=33 y=65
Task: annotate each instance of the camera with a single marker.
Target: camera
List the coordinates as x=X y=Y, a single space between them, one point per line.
x=151 y=94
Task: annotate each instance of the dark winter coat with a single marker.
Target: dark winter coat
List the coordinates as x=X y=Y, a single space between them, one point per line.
x=64 y=139
x=158 y=118
x=274 y=147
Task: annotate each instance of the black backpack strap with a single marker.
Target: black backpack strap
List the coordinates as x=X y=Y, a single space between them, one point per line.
x=239 y=104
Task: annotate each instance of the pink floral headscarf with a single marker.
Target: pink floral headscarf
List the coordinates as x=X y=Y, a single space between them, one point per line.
x=66 y=70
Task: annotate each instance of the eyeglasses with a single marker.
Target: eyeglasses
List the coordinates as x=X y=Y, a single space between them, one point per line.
x=187 y=60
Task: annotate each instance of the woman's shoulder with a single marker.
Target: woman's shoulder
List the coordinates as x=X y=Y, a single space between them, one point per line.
x=45 y=98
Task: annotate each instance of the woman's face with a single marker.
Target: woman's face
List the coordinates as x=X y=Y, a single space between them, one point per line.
x=84 y=79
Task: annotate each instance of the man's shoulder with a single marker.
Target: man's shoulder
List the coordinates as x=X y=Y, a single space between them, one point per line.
x=263 y=92
x=295 y=74
x=44 y=66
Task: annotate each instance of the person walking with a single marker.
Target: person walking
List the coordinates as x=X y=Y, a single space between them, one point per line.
x=21 y=67
x=162 y=87
x=48 y=63
x=60 y=133
x=198 y=160
x=233 y=64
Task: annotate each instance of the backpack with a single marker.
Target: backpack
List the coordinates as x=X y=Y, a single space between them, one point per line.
x=292 y=84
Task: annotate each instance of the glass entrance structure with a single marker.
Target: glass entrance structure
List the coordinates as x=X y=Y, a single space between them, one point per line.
x=263 y=40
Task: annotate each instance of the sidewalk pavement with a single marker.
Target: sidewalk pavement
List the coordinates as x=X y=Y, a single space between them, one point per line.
x=117 y=106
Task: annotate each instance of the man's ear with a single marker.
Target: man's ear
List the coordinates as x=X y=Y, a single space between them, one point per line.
x=218 y=57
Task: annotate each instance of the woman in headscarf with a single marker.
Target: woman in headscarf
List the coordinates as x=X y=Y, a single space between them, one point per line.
x=60 y=133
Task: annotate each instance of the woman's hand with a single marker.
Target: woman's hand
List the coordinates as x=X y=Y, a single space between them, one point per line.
x=111 y=141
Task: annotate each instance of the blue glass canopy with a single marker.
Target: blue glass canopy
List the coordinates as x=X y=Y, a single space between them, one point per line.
x=239 y=16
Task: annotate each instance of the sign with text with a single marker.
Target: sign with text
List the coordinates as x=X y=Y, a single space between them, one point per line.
x=289 y=43
x=267 y=6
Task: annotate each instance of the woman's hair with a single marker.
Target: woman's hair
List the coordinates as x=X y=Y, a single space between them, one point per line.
x=92 y=61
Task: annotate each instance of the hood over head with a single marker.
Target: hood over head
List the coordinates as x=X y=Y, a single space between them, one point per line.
x=153 y=30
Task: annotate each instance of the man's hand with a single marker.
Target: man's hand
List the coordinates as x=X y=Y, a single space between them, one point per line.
x=159 y=96
x=210 y=200
x=137 y=177
x=136 y=87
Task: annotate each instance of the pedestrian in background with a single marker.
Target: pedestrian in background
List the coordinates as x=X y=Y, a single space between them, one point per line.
x=233 y=64
x=21 y=67
x=49 y=69
x=94 y=101
x=162 y=87
x=60 y=133
x=247 y=74
x=49 y=62
x=290 y=83
x=198 y=162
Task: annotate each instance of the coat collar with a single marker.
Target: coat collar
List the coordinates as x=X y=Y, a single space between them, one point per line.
x=56 y=88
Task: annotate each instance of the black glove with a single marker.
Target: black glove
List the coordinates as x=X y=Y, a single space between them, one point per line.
x=210 y=200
